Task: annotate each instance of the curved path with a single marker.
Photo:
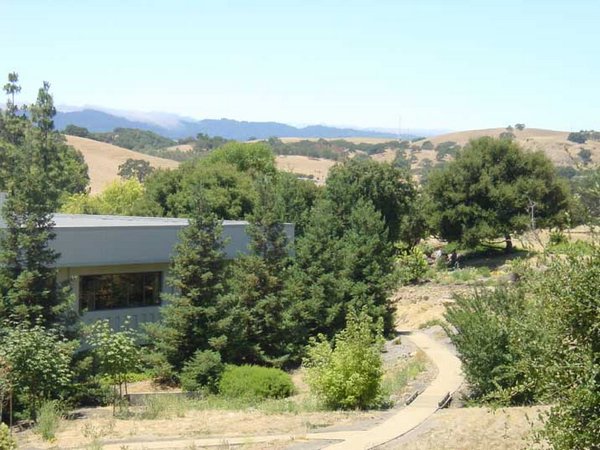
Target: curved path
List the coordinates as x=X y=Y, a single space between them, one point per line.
x=448 y=380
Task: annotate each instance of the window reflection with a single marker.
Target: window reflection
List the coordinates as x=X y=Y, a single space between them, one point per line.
x=119 y=290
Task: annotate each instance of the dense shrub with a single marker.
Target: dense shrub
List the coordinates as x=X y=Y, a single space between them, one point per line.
x=539 y=342
x=74 y=130
x=7 y=442
x=255 y=382
x=427 y=145
x=572 y=374
x=446 y=148
x=40 y=363
x=579 y=137
x=557 y=238
x=133 y=139
x=348 y=374
x=202 y=372
x=411 y=266
x=498 y=337
x=161 y=371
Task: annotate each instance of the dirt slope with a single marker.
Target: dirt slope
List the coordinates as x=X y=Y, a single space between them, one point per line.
x=103 y=160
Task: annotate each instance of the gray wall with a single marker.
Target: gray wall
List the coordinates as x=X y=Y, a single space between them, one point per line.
x=104 y=246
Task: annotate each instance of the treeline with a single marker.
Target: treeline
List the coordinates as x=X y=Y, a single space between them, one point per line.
x=130 y=138
x=581 y=137
x=335 y=149
x=153 y=144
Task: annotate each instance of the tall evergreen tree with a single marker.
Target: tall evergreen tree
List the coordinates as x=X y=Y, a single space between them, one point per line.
x=197 y=271
x=255 y=310
x=28 y=284
x=343 y=265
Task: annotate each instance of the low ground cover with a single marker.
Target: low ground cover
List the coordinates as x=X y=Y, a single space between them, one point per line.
x=164 y=416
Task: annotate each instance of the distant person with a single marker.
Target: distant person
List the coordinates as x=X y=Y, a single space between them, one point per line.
x=453 y=260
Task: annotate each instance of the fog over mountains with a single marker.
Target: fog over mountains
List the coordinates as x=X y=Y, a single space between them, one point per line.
x=175 y=127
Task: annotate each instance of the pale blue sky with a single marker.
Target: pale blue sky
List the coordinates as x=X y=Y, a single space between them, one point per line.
x=436 y=64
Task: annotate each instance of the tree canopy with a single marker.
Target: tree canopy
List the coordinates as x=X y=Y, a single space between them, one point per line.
x=494 y=189
x=389 y=189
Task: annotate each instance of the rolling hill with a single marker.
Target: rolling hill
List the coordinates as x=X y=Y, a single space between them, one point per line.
x=103 y=160
x=553 y=143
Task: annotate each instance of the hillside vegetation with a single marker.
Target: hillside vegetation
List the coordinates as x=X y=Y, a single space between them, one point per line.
x=313 y=157
x=104 y=159
x=553 y=143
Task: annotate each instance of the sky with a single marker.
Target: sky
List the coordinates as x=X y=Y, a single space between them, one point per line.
x=396 y=64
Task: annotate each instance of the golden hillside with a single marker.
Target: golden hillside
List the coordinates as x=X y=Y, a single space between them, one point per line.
x=553 y=143
x=103 y=160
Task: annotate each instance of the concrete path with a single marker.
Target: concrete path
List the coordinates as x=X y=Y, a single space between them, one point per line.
x=448 y=380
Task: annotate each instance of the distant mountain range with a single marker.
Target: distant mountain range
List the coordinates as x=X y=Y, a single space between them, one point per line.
x=99 y=121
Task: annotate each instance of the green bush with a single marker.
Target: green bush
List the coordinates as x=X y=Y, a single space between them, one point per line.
x=7 y=442
x=255 y=382
x=411 y=266
x=348 y=375
x=427 y=145
x=161 y=371
x=202 y=372
x=572 y=372
x=48 y=420
x=500 y=341
x=557 y=237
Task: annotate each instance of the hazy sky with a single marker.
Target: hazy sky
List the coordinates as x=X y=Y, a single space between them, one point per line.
x=434 y=64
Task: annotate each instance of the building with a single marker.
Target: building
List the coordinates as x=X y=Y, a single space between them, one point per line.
x=118 y=266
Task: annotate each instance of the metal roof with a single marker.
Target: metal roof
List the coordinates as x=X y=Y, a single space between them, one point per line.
x=99 y=221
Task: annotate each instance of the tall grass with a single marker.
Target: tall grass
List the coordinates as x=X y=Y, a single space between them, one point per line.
x=396 y=379
x=48 y=420
x=164 y=406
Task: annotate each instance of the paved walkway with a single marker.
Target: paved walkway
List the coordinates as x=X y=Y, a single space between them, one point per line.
x=448 y=380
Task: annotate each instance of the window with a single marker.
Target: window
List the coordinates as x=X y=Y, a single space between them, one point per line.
x=119 y=290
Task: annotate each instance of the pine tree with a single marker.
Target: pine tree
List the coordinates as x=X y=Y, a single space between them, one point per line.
x=255 y=311
x=342 y=266
x=28 y=284
x=197 y=271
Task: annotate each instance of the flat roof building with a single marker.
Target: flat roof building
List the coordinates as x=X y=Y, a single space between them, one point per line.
x=117 y=266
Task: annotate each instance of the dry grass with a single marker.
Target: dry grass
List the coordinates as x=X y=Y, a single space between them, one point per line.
x=182 y=147
x=304 y=165
x=103 y=160
x=472 y=429
x=418 y=305
x=553 y=143
x=354 y=140
x=193 y=424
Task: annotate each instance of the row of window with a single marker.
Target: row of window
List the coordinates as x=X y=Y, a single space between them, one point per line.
x=119 y=290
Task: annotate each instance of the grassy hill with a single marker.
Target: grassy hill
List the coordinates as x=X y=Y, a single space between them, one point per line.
x=103 y=160
x=553 y=143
